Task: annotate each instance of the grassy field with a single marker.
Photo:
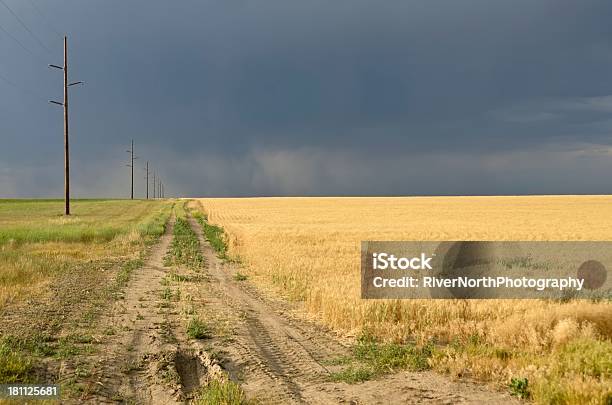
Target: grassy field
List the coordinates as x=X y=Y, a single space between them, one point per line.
x=37 y=242
x=308 y=250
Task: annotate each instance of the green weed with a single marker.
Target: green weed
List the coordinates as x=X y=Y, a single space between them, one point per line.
x=375 y=359
x=196 y=329
x=14 y=366
x=185 y=247
x=221 y=393
x=214 y=234
x=519 y=387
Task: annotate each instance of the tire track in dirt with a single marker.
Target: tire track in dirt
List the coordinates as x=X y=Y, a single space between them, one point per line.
x=137 y=324
x=279 y=359
x=284 y=365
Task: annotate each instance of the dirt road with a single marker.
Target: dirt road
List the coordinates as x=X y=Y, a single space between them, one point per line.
x=143 y=355
x=277 y=357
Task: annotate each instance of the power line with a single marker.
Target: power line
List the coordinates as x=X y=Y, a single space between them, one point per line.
x=16 y=86
x=23 y=24
x=46 y=20
x=19 y=42
x=10 y=82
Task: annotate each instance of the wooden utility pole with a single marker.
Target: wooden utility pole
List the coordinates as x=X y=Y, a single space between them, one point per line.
x=154 y=195
x=66 y=143
x=147 y=177
x=131 y=165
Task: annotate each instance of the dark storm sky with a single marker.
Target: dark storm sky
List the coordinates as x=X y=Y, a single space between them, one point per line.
x=277 y=97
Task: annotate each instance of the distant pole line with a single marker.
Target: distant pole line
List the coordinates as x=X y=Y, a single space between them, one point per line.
x=147 y=178
x=66 y=143
x=131 y=166
x=154 y=195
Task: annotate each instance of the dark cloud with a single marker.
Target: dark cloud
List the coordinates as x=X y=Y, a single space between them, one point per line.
x=242 y=97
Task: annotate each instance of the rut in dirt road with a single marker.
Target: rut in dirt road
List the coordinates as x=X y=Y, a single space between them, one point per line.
x=137 y=326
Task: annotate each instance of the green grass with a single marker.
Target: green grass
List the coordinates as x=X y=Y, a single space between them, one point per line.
x=126 y=271
x=221 y=393
x=519 y=387
x=18 y=355
x=37 y=344
x=196 y=329
x=354 y=374
x=15 y=367
x=167 y=294
x=180 y=278
x=214 y=234
x=16 y=363
x=185 y=247
x=548 y=378
x=240 y=277
x=34 y=221
x=372 y=359
x=591 y=360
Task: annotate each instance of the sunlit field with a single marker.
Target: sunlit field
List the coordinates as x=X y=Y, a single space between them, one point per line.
x=37 y=242
x=307 y=249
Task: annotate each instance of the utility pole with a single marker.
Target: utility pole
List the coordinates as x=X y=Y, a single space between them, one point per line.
x=66 y=143
x=154 y=195
x=131 y=165
x=147 y=170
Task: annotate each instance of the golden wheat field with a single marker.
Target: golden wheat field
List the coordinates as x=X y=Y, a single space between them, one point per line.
x=307 y=249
